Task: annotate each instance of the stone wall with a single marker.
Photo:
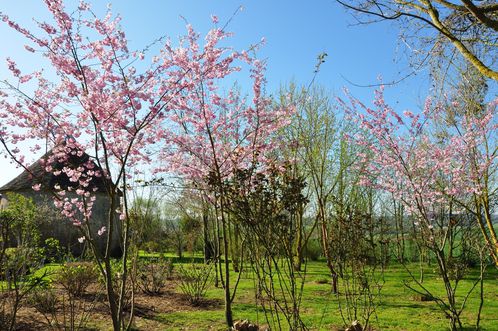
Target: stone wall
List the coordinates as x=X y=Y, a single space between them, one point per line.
x=52 y=224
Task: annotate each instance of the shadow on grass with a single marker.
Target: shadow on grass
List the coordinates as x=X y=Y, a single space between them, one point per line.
x=175 y=259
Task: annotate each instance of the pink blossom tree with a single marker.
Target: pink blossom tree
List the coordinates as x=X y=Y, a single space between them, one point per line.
x=111 y=105
x=214 y=134
x=433 y=176
x=424 y=169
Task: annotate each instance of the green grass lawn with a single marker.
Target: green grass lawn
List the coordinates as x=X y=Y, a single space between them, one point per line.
x=397 y=308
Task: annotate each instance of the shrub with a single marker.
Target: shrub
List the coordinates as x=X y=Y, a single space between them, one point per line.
x=76 y=277
x=19 y=273
x=152 y=276
x=152 y=247
x=194 y=281
x=457 y=268
x=313 y=250
x=117 y=281
x=5 y=318
x=44 y=301
x=53 y=250
x=20 y=262
x=62 y=312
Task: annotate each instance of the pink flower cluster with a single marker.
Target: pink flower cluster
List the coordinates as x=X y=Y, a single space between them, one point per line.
x=406 y=156
x=172 y=114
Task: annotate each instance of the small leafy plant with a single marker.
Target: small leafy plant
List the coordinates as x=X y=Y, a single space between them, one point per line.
x=76 y=277
x=44 y=301
x=194 y=281
x=152 y=276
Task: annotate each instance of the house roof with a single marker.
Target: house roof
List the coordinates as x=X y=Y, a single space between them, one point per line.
x=36 y=174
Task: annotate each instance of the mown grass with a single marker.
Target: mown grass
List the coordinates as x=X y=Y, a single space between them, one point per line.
x=398 y=307
x=187 y=258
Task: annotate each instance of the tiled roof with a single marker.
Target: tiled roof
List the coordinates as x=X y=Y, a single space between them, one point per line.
x=36 y=174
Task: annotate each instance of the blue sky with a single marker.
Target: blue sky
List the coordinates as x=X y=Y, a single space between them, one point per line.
x=295 y=32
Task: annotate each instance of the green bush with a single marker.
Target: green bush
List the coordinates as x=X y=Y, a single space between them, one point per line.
x=76 y=277
x=20 y=262
x=457 y=268
x=194 y=281
x=5 y=319
x=152 y=275
x=313 y=250
x=44 y=301
x=27 y=255
x=53 y=250
x=152 y=247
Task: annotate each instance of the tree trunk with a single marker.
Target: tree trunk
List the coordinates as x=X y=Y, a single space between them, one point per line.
x=208 y=249
x=326 y=250
x=228 y=299
x=235 y=247
x=299 y=246
x=179 y=251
